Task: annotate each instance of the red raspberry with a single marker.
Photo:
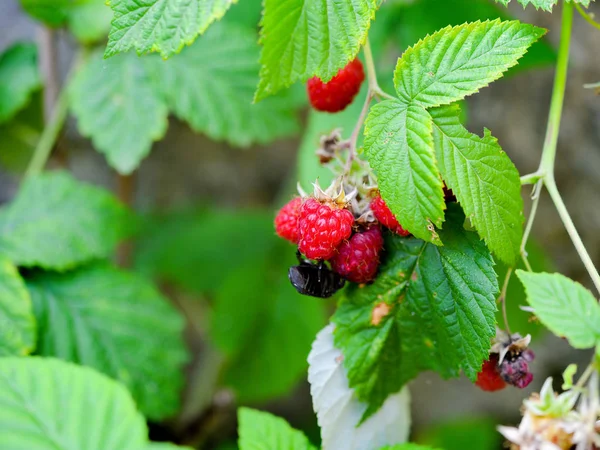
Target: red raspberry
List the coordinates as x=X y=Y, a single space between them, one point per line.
x=489 y=378
x=357 y=259
x=339 y=92
x=323 y=227
x=386 y=217
x=286 y=220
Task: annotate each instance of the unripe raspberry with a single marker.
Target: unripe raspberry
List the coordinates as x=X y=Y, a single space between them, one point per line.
x=286 y=220
x=489 y=378
x=386 y=217
x=357 y=259
x=323 y=227
x=339 y=92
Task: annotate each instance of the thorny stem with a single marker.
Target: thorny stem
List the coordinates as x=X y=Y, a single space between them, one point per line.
x=587 y=17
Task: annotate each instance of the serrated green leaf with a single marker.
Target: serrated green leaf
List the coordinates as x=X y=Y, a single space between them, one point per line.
x=484 y=180
x=17 y=323
x=263 y=431
x=56 y=222
x=210 y=85
x=117 y=106
x=406 y=23
x=163 y=26
x=19 y=78
x=251 y=324
x=458 y=61
x=567 y=308
x=399 y=147
x=49 y=404
x=431 y=308
x=117 y=323
x=305 y=38
x=543 y=4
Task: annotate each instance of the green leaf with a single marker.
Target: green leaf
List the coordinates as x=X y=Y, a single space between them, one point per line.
x=19 y=78
x=431 y=308
x=117 y=323
x=117 y=106
x=198 y=249
x=399 y=147
x=163 y=26
x=543 y=4
x=458 y=61
x=251 y=324
x=20 y=135
x=51 y=404
x=89 y=21
x=165 y=446
x=18 y=328
x=210 y=85
x=408 y=446
x=567 y=308
x=474 y=433
x=484 y=180
x=52 y=12
x=305 y=38
x=56 y=222
x=263 y=431
x=406 y=23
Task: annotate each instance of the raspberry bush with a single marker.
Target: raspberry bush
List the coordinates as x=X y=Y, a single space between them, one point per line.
x=124 y=328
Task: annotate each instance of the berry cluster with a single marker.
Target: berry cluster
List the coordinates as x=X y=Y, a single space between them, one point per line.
x=508 y=363
x=341 y=229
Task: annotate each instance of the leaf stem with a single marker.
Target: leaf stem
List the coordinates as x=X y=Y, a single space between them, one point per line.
x=55 y=124
x=587 y=17
x=371 y=74
x=531 y=178
x=570 y=227
x=502 y=298
x=49 y=136
x=354 y=136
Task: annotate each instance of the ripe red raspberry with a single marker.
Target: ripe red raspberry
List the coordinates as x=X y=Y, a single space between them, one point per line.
x=286 y=220
x=339 y=92
x=357 y=259
x=489 y=378
x=386 y=217
x=323 y=227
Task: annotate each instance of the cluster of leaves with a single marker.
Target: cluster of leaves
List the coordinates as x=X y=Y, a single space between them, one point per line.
x=63 y=301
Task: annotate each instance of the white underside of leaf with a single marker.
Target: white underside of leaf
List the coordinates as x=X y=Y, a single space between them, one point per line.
x=338 y=410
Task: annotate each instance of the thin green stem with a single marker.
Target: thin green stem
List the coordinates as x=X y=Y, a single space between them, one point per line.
x=558 y=92
x=531 y=178
x=371 y=74
x=546 y=169
x=49 y=136
x=570 y=227
x=356 y=131
x=55 y=124
x=584 y=376
x=587 y=17
x=502 y=298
